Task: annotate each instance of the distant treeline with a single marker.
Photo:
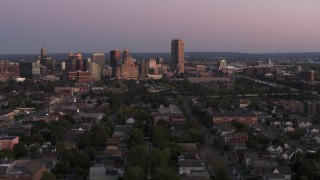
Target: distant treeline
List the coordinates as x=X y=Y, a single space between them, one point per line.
x=189 y=55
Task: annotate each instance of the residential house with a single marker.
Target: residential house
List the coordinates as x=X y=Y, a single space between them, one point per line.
x=107 y=167
x=122 y=131
x=130 y=120
x=249 y=156
x=276 y=149
x=189 y=166
x=288 y=129
x=258 y=166
x=284 y=170
x=7 y=142
x=22 y=169
x=273 y=176
x=287 y=155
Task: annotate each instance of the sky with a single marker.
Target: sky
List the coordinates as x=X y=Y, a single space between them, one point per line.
x=252 y=26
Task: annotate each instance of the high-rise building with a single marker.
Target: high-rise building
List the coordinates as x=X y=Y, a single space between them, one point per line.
x=128 y=69
x=177 y=56
x=45 y=60
x=95 y=70
x=125 y=56
x=74 y=62
x=115 y=59
x=99 y=58
x=29 y=70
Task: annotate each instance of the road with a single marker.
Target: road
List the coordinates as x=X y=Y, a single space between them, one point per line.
x=212 y=151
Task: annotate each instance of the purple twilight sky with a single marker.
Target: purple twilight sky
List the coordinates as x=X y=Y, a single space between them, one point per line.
x=149 y=25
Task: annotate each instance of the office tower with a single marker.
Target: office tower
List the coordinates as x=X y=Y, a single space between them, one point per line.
x=115 y=59
x=128 y=69
x=43 y=52
x=95 y=70
x=45 y=60
x=223 y=64
x=177 y=56
x=152 y=63
x=29 y=70
x=99 y=58
x=74 y=62
x=125 y=56
x=143 y=69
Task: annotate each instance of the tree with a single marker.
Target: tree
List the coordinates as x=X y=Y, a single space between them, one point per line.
x=6 y=153
x=84 y=140
x=61 y=146
x=134 y=173
x=222 y=174
x=90 y=151
x=163 y=173
x=307 y=168
x=48 y=176
x=158 y=158
x=136 y=137
x=83 y=160
x=62 y=167
x=138 y=156
x=20 y=150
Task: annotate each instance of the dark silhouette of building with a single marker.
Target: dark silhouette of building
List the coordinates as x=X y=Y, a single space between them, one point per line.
x=307 y=75
x=29 y=70
x=177 y=56
x=115 y=59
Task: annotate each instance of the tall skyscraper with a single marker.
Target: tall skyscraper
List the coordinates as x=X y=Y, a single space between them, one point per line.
x=125 y=56
x=95 y=70
x=99 y=58
x=115 y=59
x=177 y=56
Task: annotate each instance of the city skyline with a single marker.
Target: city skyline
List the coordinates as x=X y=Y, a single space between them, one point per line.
x=144 y=26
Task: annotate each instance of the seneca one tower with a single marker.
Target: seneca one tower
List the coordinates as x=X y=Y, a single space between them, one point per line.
x=177 y=56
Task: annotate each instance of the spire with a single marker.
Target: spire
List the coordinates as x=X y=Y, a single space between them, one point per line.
x=43 y=51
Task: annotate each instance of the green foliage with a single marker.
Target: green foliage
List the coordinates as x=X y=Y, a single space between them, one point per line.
x=135 y=112
x=6 y=153
x=138 y=156
x=20 y=150
x=90 y=151
x=164 y=174
x=62 y=167
x=136 y=137
x=159 y=158
x=134 y=173
x=307 y=168
x=222 y=174
x=48 y=176
x=61 y=146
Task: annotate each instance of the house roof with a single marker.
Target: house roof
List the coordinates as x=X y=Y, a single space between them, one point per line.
x=273 y=176
x=190 y=163
x=264 y=163
x=284 y=170
x=251 y=155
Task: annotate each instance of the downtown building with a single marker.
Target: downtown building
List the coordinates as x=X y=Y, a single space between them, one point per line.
x=128 y=69
x=99 y=58
x=115 y=59
x=177 y=56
